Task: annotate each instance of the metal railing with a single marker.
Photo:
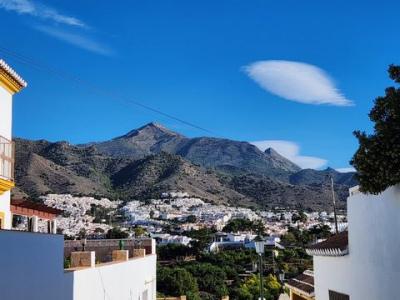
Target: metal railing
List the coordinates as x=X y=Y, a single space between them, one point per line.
x=7 y=155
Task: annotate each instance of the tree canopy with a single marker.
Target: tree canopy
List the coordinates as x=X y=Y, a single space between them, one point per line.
x=377 y=159
x=236 y=225
x=177 y=282
x=250 y=289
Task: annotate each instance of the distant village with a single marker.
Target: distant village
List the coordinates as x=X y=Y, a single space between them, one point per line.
x=175 y=212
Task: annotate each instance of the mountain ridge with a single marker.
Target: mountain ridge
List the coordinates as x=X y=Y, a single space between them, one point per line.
x=153 y=159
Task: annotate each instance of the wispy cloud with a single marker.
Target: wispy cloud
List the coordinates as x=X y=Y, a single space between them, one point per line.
x=291 y=151
x=70 y=29
x=76 y=39
x=296 y=81
x=35 y=9
x=345 y=170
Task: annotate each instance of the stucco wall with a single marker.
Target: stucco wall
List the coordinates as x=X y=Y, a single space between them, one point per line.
x=126 y=280
x=5 y=208
x=6 y=113
x=31 y=267
x=372 y=269
x=5 y=131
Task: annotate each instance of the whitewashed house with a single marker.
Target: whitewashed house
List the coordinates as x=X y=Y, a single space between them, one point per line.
x=363 y=263
x=32 y=263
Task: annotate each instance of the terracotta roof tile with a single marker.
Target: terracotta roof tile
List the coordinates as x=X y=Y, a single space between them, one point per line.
x=303 y=283
x=35 y=205
x=336 y=245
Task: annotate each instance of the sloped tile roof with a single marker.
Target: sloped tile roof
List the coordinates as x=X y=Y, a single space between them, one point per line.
x=337 y=245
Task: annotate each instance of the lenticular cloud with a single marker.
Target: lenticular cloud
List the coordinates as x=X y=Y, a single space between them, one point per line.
x=296 y=81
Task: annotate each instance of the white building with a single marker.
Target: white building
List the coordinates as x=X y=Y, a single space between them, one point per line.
x=10 y=83
x=31 y=263
x=166 y=238
x=366 y=264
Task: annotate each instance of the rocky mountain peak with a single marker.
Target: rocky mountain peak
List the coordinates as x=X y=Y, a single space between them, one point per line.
x=152 y=129
x=272 y=152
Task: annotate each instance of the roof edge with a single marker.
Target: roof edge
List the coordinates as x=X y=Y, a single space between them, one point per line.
x=10 y=79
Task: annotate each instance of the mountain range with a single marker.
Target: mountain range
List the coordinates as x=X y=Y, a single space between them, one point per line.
x=153 y=159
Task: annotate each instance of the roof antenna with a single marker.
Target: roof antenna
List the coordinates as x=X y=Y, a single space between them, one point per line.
x=334 y=205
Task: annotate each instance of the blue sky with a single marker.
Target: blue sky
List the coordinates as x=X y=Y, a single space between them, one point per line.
x=298 y=75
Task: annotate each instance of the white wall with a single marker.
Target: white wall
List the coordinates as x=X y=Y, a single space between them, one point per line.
x=5 y=208
x=5 y=131
x=126 y=280
x=372 y=268
x=5 y=113
x=31 y=267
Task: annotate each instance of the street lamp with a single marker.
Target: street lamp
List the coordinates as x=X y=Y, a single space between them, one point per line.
x=259 y=244
x=282 y=276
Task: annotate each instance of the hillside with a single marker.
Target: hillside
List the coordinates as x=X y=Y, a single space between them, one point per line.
x=152 y=159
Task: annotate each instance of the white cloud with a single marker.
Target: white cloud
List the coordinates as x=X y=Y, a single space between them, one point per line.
x=296 y=81
x=291 y=151
x=35 y=9
x=46 y=13
x=76 y=39
x=346 y=170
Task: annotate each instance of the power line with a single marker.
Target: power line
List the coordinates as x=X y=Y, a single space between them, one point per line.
x=40 y=66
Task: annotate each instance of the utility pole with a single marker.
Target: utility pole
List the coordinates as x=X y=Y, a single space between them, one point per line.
x=334 y=206
x=273 y=261
x=261 y=278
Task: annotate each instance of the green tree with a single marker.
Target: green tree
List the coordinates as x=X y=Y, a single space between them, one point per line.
x=139 y=231
x=236 y=225
x=301 y=216
x=173 y=251
x=116 y=233
x=250 y=289
x=177 y=282
x=202 y=238
x=210 y=278
x=377 y=159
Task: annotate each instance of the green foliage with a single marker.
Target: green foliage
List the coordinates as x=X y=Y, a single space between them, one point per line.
x=210 y=278
x=377 y=159
x=237 y=225
x=301 y=216
x=116 y=233
x=233 y=261
x=173 y=251
x=177 y=282
x=139 y=231
x=250 y=289
x=300 y=238
x=202 y=238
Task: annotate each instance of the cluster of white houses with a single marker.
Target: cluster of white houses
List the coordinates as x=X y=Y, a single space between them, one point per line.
x=32 y=263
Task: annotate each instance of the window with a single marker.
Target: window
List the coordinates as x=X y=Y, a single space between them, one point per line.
x=338 y=296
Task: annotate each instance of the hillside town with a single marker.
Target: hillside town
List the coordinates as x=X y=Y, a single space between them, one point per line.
x=275 y=177
x=174 y=209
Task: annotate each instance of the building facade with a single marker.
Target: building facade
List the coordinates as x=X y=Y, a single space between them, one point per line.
x=10 y=83
x=363 y=264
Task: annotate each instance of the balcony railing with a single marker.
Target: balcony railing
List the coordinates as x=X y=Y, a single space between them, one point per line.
x=7 y=155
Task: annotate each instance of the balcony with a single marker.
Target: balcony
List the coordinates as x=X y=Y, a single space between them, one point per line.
x=7 y=155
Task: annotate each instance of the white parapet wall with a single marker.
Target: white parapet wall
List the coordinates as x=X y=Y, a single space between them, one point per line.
x=133 y=279
x=32 y=267
x=372 y=268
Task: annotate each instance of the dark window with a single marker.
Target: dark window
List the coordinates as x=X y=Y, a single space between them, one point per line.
x=338 y=296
